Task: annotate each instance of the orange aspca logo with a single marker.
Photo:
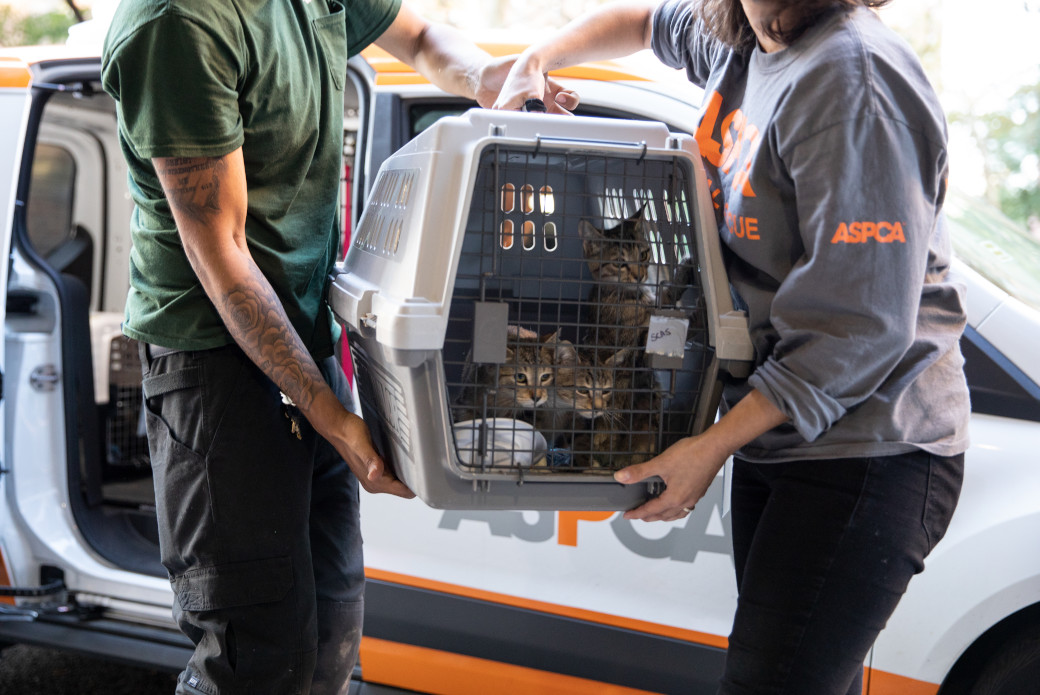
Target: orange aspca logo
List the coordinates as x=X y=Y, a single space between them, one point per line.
x=733 y=141
x=862 y=232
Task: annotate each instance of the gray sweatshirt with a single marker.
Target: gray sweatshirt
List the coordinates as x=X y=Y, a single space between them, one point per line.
x=827 y=164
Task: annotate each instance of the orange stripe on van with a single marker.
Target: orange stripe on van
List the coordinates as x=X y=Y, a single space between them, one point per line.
x=386 y=75
x=5 y=580
x=704 y=638
x=882 y=683
x=391 y=71
x=444 y=673
x=14 y=73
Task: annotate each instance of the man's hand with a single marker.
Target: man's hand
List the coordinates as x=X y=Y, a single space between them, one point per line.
x=356 y=448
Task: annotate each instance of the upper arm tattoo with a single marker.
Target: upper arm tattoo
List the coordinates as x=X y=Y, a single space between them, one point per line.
x=192 y=184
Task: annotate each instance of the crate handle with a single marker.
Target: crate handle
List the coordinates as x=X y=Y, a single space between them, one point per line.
x=539 y=139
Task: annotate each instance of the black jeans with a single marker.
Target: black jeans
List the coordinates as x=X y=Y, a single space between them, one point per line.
x=258 y=527
x=824 y=550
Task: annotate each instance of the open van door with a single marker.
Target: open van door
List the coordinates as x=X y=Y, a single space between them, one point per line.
x=14 y=114
x=76 y=512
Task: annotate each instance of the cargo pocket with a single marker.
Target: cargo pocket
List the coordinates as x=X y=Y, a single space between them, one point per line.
x=234 y=584
x=245 y=621
x=187 y=395
x=331 y=31
x=173 y=403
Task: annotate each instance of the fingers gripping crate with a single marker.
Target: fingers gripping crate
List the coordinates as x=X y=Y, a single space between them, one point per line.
x=534 y=302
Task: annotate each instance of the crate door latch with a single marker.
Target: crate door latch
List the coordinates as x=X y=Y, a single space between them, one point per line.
x=490 y=326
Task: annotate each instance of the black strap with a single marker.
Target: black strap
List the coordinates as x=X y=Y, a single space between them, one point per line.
x=161 y=384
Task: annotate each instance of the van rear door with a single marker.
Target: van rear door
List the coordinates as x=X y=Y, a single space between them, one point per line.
x=14 y=116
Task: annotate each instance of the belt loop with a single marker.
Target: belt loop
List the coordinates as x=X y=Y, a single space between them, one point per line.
x=143 y=353
x=149 y=353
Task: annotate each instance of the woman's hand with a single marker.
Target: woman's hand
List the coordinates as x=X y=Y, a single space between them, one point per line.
x=687 y=468
x=504 y=86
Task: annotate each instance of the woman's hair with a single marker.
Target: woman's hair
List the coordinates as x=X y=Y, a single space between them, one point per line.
x=727 y=21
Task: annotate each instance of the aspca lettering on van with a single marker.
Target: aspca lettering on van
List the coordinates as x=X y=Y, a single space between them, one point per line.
x=862 y=232
x=704 y=530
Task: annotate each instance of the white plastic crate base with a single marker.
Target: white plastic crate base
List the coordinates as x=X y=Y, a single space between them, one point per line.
x=533 y=302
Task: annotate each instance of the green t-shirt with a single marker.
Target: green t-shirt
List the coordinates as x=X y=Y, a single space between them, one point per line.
x=196 y=78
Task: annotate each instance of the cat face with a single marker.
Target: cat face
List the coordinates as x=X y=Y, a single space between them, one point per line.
x=585 y=389
x=521 y=385
x=617 y=255
x=527 y=375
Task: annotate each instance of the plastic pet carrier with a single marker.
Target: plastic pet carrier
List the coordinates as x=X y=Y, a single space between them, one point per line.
x=533 y=302
x=117 y=389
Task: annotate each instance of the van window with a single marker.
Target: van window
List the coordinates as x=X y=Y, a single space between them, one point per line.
x=49 y=215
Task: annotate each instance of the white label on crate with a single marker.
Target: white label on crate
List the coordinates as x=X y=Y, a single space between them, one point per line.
x=667 y=336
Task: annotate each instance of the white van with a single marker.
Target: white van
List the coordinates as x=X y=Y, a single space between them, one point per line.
x=458 y=601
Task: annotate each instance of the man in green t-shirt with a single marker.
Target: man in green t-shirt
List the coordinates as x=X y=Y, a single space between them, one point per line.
x=231 y=123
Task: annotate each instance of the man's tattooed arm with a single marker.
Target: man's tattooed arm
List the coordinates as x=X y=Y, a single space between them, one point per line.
x=208 y=202
x=254 y=316
x=192 y=185
x=208 y=198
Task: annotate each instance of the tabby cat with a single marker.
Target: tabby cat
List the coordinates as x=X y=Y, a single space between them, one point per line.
x=628 y=431
x=600 y=412
x=617 y=311
x=617 y=315
x=518 y=386
x=622 y=429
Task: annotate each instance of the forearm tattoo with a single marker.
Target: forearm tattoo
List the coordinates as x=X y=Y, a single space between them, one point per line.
x=251 y=310
x=192 y=184
x=254 y=315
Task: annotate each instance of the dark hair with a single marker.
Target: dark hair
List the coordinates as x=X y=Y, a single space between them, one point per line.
x=727 y=21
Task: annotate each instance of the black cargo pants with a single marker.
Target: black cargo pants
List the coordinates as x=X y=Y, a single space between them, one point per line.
x=823 y=551
x=258 y=527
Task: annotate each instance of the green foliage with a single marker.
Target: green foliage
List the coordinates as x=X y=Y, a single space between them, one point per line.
x=1009 y=139
x=52 y=27
x=18 y=29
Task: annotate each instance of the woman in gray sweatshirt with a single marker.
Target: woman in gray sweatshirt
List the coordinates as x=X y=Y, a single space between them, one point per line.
x=826 y=150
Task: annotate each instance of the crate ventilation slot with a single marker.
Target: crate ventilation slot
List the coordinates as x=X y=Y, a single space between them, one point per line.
x=383 y=221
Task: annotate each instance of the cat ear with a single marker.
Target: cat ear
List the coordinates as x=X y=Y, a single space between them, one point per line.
x=642 y=222
x=591 y=238
x=520 y=333
x=589 y=231
x=619 y=358
x=565 y=353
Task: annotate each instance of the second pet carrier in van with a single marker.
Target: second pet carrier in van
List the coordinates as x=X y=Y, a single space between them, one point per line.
x=533 y=302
